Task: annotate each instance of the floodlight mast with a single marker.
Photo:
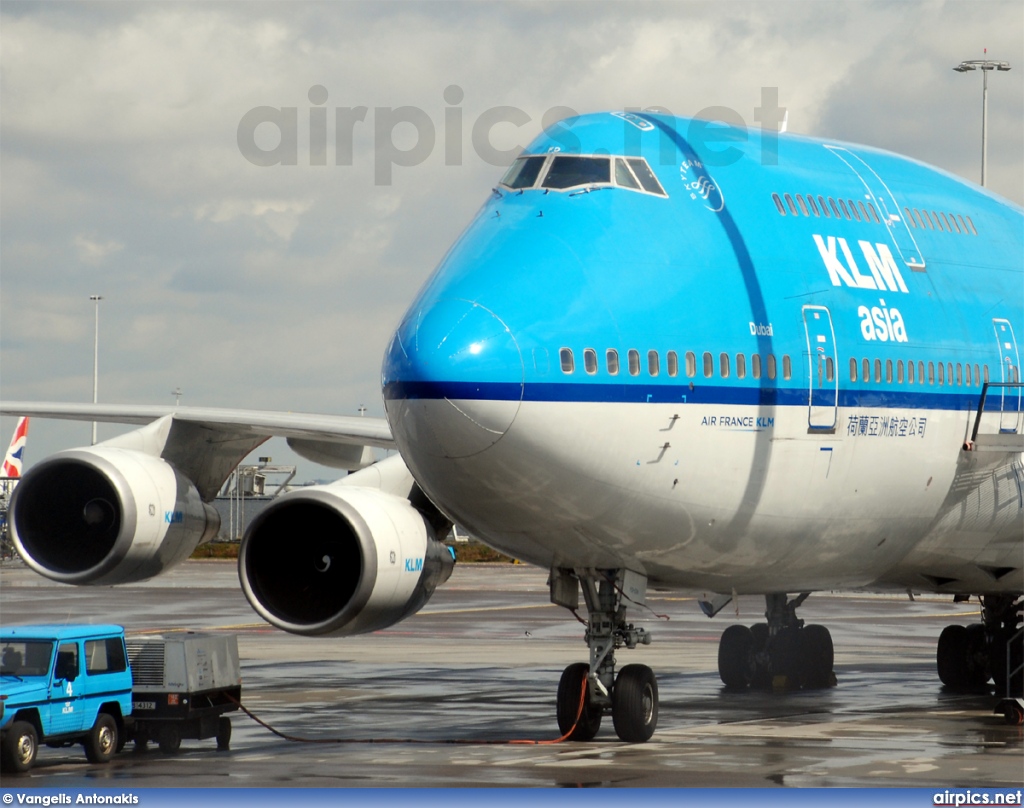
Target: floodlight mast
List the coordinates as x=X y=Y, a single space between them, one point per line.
x=985 y=66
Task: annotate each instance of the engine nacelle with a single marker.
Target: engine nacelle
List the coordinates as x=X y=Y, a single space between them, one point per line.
x=340 y=560
x=103 y=515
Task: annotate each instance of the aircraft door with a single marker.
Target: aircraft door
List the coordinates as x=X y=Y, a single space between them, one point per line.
x=899 y=232
x=1009 y=364
x=823 y=370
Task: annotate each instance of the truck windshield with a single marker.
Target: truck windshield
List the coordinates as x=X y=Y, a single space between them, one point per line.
x=25 y=657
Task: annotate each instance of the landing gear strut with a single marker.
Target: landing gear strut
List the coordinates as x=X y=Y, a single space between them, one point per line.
x=587 y=691
x=782 y=652
x=968 y=656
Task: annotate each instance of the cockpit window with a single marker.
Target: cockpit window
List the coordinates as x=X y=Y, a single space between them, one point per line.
x=523 y=172
x=570 y=171
x=646 y=176
x=564 y=172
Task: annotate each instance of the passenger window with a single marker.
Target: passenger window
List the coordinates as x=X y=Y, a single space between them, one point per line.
x=590 y=360
x=835 y=210
x=944 y=219
x=910 y=371
x=523 y=172
x=985 y=368
x=646 y=176
x=874 y=213
x=853 y=210
x=864 y=212
x=755 y=365
x=866 y=370
x=931 y=373
x=571 y=171
x=963 y=225
x=673 y=363
x=741 y=366
x=778 y=204
x=938 y=222
x=565 y=355
x=653 y=363
x=952 y=218
x=846 y=213
x=949 y=373
x=925 y=224
x=878 y=371
x=920 y=372
x=634 y=362
x=790 y=205
x=888 y=371
x=830 y=370
x=823 y=206
x=812 y=206
x=853 y=370
x=959 y=375
x=899 y=372
x=942 y=374
x=623 y=176
x=803 y=207
x=974 y=232
x=709 y=365
x=611 y=358
x=909 y=217
x=691 y=364
x=977 y=376
x=723 y=365
x=787 y=368
x=771 y=366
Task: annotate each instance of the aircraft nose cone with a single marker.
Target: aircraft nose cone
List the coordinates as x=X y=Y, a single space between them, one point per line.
x=453 y=380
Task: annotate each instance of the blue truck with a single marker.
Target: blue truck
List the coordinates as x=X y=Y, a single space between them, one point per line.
x=62 y=685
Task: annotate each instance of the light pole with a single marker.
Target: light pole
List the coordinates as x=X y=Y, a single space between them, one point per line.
x=984 y=65
x=95 y=359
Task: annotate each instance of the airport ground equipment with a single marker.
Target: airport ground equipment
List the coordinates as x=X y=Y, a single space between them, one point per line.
x=183 y=686
x=62 y=685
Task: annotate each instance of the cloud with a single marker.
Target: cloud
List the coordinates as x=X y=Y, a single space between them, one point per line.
x=93 y=252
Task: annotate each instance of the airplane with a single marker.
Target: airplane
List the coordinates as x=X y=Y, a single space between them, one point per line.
x=744 y=364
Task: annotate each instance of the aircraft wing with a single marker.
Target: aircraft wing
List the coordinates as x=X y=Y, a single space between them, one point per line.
x=340 y=429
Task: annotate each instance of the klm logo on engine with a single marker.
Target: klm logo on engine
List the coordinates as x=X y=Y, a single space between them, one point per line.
x=882 y=272
x=414 y=565
x=174 y=517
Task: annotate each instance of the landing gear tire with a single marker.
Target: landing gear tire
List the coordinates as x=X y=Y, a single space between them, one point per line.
x=735 y=656
x=567 y=707
x=817 y=657
x=635 y=704
x=962 y=657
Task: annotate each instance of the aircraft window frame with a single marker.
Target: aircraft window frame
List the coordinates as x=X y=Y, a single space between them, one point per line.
x=633 y=361
x=949 y=373
x=787 y=368
x=824 y=207
x=909 y=216
x=874 y=213
x=910 y=371
x=566 y=360
x=952 y=218
x=977 y=375
x=888 y=371
x=985 y=369
x=959 y=375
x=866 y=369
x=948 y=228
x=802 y=204
x=709 y=364
x=924 y=221
x=899 y=371
x=920 y=372
x=771 y=366
x=812 y=206
x=561 y=168
x=611 y=360
x=755 y=365
x=778 y=204
x=835 y=208
x=938 y=222
x=878 y=371
x=691 y=364
x=790 y=204
x=648 y=181
x=865 y=216
x=590 y=361
x=741 y=366
x=509 y=178
x=931 y=373
x=653 y=363
x=672 y=363
x=846 y=213
x=830 y=368
x=853 y=369
x=853 y=209
x=942 y=374
x=724 y=364
x=974 y=230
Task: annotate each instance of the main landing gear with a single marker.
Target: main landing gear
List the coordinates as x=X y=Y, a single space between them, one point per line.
x=781 y=652
x=587 y=691
x=968 y=656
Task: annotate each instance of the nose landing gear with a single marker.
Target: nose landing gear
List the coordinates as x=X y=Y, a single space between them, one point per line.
x=587 y=691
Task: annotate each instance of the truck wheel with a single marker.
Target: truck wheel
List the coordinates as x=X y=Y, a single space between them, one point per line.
x=223 y=733
x=169 y=740
x=101 y=743
x=19 y=747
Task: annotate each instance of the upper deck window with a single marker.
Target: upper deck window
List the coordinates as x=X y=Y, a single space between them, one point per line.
x=523 y=172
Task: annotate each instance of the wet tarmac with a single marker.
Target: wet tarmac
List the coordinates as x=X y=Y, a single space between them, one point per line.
x=442 y=693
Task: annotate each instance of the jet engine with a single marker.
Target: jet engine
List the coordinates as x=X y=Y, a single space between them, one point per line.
x=340 y=560
x=104 y=515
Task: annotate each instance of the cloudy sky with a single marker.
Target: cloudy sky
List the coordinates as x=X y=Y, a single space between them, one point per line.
x=278 y=286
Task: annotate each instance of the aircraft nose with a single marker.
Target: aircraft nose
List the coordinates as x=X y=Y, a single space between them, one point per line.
x=453 y=380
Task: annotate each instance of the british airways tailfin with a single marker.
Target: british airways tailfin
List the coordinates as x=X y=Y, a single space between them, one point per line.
x=15 y=452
